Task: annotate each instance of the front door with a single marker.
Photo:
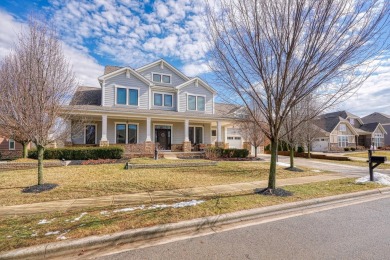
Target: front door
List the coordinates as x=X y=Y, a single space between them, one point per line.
x=163 y=137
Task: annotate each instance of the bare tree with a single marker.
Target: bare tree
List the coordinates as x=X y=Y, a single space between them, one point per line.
x=252 y=133
x=276 y=53
x=36 y=82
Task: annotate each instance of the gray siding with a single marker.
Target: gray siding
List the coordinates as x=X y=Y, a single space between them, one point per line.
x=387 y=136
x=195 y=90
x=175 y=79
x=122 y=80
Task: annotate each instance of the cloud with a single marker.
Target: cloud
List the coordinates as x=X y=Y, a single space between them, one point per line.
x=85 y=67
x=193 y=70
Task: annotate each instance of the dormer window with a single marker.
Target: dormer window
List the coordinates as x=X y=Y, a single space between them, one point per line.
x=343 y=128
x=161 y=78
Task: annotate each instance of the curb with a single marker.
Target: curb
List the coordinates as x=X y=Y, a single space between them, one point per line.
x=64 y=248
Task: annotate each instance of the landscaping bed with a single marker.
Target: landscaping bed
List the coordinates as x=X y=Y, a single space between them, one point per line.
x=17 y=232
x=21 y=164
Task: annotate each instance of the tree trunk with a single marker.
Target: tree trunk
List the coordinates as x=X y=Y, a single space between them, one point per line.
x=291 y=156
x=25 y=151
x=255 y=151
x=308 y=151
x=41 y=150
x=272 y=168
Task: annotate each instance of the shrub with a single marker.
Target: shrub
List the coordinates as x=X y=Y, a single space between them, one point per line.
x=214 y=153
x=353 y=149
x=300 y=149
x=80 y=153
x=267 y=147
x=346 y=149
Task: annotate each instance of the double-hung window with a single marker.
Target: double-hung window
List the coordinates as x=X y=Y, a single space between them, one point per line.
x=126 y=133
x=342 y=140
x=11 y=143
x=161 y=78
x=161 y=99
x=196 y=103
x=126 y=96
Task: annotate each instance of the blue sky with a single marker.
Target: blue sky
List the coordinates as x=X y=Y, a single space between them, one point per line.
x=133 y=33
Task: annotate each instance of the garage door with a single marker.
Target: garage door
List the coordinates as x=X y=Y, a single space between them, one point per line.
x=234 y=142
x=320 y=145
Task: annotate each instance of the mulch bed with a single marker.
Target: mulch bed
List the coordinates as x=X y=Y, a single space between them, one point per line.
x=39 y=188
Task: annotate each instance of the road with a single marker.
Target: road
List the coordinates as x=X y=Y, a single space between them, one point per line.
x=360 y=231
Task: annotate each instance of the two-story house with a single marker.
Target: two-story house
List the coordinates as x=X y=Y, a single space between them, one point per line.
x=342 y=129
x=153 y=104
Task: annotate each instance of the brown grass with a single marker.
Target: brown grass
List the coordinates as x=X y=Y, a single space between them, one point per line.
x=358 y=163
x=365 y=154
x=18 y=232
x=100 y=180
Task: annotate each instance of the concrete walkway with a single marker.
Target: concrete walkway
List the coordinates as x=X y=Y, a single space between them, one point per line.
x=138 y=199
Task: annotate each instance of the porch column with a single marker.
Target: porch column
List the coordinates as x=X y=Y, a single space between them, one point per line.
x=219 y=142
x=68 y=141
x=103 y=140
x=186 y=130
x=186 y=143
x=148 y=129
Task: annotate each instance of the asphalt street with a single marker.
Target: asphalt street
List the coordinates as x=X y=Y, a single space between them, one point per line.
x=360 y=231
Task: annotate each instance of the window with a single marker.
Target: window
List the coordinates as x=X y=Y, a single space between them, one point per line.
x=90 y=134
x=163 y=100
x=121 y=96
x=213 y=132
x=126 y=133
x=196 y=103
x=342 y=140
x=158 y=99
x=343 y=127
x=133 y=97
x=195 y=134
x=126 y=96
x=230 y=138
x=352 y=121
x=11 y=144
x=191 y=102
x=131 y=134
x=237 y=138
x=121 y=133
x=161 y=78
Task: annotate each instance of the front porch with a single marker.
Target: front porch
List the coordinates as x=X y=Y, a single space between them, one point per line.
x=142 y=135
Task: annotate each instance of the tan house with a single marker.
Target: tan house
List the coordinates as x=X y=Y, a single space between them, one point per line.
x=342 y=129
x=154 y=104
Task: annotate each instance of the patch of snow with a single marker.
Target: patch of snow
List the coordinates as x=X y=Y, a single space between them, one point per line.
x=378 y=178
x=34 y=234
x=315 y=170
x=9 y=236
x=104 y=212
x=161 y=206
x=187 y=203
x=52 y=233
x=62 y=236
x=44 y=221
x=78 y=218
x=128 y=209
x=283 y=164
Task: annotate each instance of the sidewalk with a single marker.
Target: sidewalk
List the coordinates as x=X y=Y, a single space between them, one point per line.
x=137 y=199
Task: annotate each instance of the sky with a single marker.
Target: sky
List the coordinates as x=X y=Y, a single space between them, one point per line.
x=132 y=33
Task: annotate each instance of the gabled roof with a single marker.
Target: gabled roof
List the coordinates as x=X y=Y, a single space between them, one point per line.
x=194 y=80
x=226 y=109
x=108 y=69
x=126 y=69
x=85 y=95
x=371 y=127
x=327 y=123
x=343 y=114
x=377 y=117
x=161 y=61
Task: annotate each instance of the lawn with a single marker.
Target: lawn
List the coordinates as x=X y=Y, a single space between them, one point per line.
x=365 y=154
x=110 y=179
x=22 y=231
x=357 y=163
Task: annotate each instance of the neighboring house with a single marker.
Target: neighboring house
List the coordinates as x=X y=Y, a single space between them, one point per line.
x=10 y=149
x=384 y=119
x=342 y=129
x=153 y=104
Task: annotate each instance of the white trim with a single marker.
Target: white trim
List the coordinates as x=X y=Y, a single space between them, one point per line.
x=117 y=72
x=150 y=65
x=162 y=74
x=348 y=125
x=163 y=99
x=127 y=130
x=164 y=124
x=103 y=92
x=85 y=135
x=195 y=131
x=196 y=102
x=127 y=95
x=9 y=144
x=199 y=80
